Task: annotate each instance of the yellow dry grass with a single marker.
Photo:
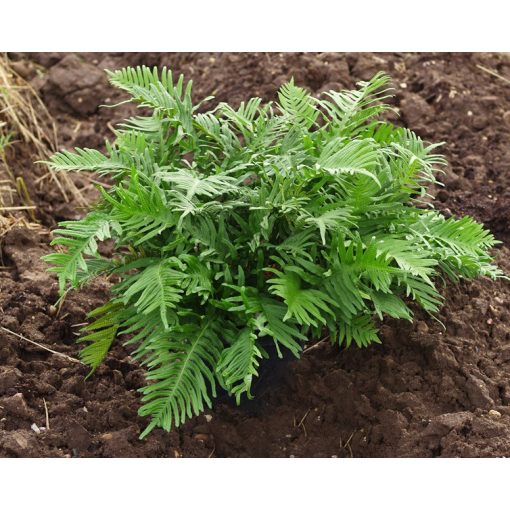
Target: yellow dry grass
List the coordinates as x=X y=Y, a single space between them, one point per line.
x=25 y=119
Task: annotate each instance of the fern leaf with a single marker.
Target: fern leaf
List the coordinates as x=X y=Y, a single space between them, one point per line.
x=156 y=287
x=238 y=364
x=349 y=110
x=80 y=238
x=361 y=329
x=305 y=305
x=193 y=184
x=416 y=262
x=181 y=367
x=89 y=160
x=297 y=103
x=334 y=220
x=158 y=91
x=354 y=157
x=102 y=333
x=391 y=305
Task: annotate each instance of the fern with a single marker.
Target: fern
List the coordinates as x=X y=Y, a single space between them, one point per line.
x=181 y=366
x=101 y=334
x=238 y=364
x=80 y=238
x=265 y=221
x=298 y=104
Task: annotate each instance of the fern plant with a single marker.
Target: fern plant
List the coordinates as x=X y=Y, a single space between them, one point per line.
x=268 y=220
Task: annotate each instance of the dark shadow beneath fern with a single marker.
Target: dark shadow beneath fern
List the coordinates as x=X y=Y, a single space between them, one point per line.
x=272 y=373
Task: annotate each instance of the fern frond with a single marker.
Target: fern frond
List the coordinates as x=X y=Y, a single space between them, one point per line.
x=80 y=238
x=353 y=157
x=361 y=329
x=297 y=103
x=192 y=183
x=391 y=305
x=335 y=220
x=349 y=110
x=181 y=370
x=101 y=334
x=158 y=91
x=415 y=262
x=239 y=363
x=155 y=287
x=89 y=160
x=307 y=306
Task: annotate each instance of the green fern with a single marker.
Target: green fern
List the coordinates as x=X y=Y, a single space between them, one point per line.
x=101 y=334
x=181 y=367
x=80 y=238
x=265 y=221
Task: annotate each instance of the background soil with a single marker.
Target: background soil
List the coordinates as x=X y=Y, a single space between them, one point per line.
x=427 y=391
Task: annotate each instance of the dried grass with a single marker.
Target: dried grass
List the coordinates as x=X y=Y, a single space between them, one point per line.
x=24 y=116
x=25 y=119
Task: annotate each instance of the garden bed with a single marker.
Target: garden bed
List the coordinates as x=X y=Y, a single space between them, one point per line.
x=426 y=391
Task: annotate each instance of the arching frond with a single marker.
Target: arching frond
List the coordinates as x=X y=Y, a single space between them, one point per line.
x=350 y=110
x=89 y=160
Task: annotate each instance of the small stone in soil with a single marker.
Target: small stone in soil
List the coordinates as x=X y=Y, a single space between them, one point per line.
x=422 y=328
x=16 y=406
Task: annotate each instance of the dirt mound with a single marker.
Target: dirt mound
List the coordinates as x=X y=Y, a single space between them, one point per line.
x=427 y=391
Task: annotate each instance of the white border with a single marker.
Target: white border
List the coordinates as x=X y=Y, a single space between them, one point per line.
x=265 y=25
x=262 y=25
x=253 y=484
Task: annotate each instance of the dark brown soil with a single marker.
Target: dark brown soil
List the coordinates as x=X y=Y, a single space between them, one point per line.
x=427 y=391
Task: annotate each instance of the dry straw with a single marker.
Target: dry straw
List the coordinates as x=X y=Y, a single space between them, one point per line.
x=24 y=118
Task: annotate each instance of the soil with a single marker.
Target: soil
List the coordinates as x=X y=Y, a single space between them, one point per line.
x=427 y=391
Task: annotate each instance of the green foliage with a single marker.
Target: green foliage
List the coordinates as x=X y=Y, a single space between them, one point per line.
x=262 y=221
